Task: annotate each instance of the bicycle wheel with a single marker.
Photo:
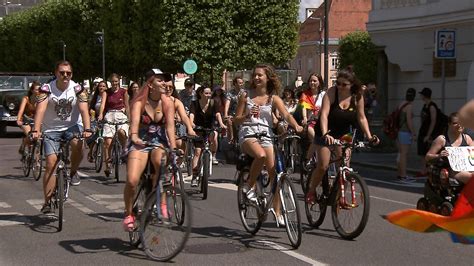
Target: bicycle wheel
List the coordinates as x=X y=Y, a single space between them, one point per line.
x=163 y=238
x=290 y=211
x=98 y=152
x=206 y=160
x=180 y=209
x=138 y=206
x=315 y=213
x=189 y=158
x=26 y=161
x=350 y=217
x=248 y=212
x=59 y=196
x=37 y=164
x=304 y=176
x=116 y=159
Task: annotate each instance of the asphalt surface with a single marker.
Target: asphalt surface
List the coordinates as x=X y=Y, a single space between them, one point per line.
x=92 y=232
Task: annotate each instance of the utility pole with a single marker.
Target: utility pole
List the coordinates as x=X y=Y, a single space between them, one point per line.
x=326 y=42
x=101 y=40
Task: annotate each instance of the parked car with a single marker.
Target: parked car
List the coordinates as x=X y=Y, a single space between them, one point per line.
x=13 y=86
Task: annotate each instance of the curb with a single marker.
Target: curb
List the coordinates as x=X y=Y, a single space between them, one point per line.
x=383 y=166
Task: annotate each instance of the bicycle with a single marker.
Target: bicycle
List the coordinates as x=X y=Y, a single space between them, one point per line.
x=188 y=155
x=205 y=160
x=344 y=190
x=306 y=166
x=160 y=211
x=253 y=215
x=32 y=159
x=63 y=177
x=116 y=151
x=290 y=150
x=98 y=149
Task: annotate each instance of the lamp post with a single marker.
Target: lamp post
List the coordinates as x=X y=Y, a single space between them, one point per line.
x=64 y=49
x=8 y=4
x=326 y=42
x=101 y=39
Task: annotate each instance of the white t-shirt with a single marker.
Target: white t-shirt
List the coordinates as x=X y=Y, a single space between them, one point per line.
x=62 y=112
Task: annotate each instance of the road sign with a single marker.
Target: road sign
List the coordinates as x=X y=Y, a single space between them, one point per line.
x=190 y=67
x=445 y=47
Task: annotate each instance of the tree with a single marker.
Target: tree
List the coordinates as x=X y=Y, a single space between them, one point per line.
x=357 y=49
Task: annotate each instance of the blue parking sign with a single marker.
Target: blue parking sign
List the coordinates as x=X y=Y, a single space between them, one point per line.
x=445 y=47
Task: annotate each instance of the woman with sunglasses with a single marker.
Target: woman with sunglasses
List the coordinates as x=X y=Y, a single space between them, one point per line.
x=203 y=113
x=254 y=115
x=342 y=111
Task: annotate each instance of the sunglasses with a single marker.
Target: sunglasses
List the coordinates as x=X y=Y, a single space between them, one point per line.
x=65 y=73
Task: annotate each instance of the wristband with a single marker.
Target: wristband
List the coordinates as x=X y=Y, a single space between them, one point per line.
x=134 y=133
x=88 y=130
x=33 y=131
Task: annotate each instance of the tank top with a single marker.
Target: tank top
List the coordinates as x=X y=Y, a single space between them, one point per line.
x=341 y=121
x=29 y=108
x=448 y=142
x=264 y=118
x=115 y=100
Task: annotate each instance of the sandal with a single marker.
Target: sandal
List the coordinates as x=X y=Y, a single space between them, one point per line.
x=129 y=223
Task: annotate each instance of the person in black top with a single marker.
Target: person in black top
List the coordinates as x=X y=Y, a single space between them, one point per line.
x=203 y=113
x=454 y=137
x=342 y=111
x=426 y=133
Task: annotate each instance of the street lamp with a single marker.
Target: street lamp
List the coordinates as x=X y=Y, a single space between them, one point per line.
x=64 y=49
x=101 y=39
x=8 y=4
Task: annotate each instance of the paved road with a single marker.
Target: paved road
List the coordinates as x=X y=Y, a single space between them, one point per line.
x=92 y=231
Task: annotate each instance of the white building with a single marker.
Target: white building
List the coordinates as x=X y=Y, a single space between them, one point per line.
x=405 y=32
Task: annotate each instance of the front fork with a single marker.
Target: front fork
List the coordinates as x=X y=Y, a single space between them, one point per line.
x=343 y=200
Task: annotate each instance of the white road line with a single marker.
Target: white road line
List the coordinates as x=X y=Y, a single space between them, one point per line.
x=17 y=219
x=36 y=203
x=4 y=205
x=290 y=252
x=79 y=206
x=417 y=185
x=394 y=201
x=109 y=201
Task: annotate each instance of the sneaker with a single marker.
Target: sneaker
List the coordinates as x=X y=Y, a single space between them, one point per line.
x=129 y=223
x=215 y=161
x=75 y=180
x=46 y=208
x=406 y=179
x=252 y=196
x=280 y=220
x=194 y=182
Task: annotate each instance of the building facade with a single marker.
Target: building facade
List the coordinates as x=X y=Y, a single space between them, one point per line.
x=404 y=31
x=345 y=16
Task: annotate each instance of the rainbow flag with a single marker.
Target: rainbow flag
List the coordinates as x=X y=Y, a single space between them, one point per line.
x=460 y=224
x=306 y=101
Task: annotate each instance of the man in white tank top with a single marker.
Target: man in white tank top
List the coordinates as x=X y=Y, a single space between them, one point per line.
x=62 y=111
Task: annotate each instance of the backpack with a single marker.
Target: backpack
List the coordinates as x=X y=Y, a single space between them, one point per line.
x=441 y=125
x=391 y=123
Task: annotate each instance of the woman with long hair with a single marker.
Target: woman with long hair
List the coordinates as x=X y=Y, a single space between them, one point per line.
x=254 y=115
x=26 y=112
x=342 y=111
x=151 y=120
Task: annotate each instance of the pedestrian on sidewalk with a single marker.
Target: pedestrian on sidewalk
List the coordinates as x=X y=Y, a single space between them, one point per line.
x=406 y=134
x=428 y=122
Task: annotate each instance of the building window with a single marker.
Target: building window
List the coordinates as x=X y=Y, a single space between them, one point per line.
x=310 y=64
x=334 y=62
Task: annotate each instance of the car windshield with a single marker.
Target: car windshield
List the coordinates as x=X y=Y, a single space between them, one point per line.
x=20 y=82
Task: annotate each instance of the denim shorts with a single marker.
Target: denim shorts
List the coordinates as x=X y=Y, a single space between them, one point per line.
x=155 y=135
x=51 y=146
x=404 y=137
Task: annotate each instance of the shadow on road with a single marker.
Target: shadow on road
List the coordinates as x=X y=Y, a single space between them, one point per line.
x=98 y=245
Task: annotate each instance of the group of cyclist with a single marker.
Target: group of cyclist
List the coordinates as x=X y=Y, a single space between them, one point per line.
x=157 y=116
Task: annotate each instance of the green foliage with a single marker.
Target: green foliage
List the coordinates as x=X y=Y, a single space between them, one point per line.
x=140 y=34
x=357 y=49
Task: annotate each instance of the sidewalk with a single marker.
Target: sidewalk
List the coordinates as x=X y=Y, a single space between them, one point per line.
x=387 y=161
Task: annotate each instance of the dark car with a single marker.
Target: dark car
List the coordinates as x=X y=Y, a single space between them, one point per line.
x=13 y=86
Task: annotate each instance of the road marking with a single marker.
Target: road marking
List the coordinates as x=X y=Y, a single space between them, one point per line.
x=290 y=252
x=36 y=203
x=13 y=218
x=416 y=185
x=394 y=201
x=229 y=186
x=4 y=205
x=109 y=201
x=79 y=206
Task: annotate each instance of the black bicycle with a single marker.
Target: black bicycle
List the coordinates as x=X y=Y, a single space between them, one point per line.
x=63 y=177
x=32 y=159
x=205 y=160
x=116 y=151
x=163 y=228
x=98 y=149
x=344 y=190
